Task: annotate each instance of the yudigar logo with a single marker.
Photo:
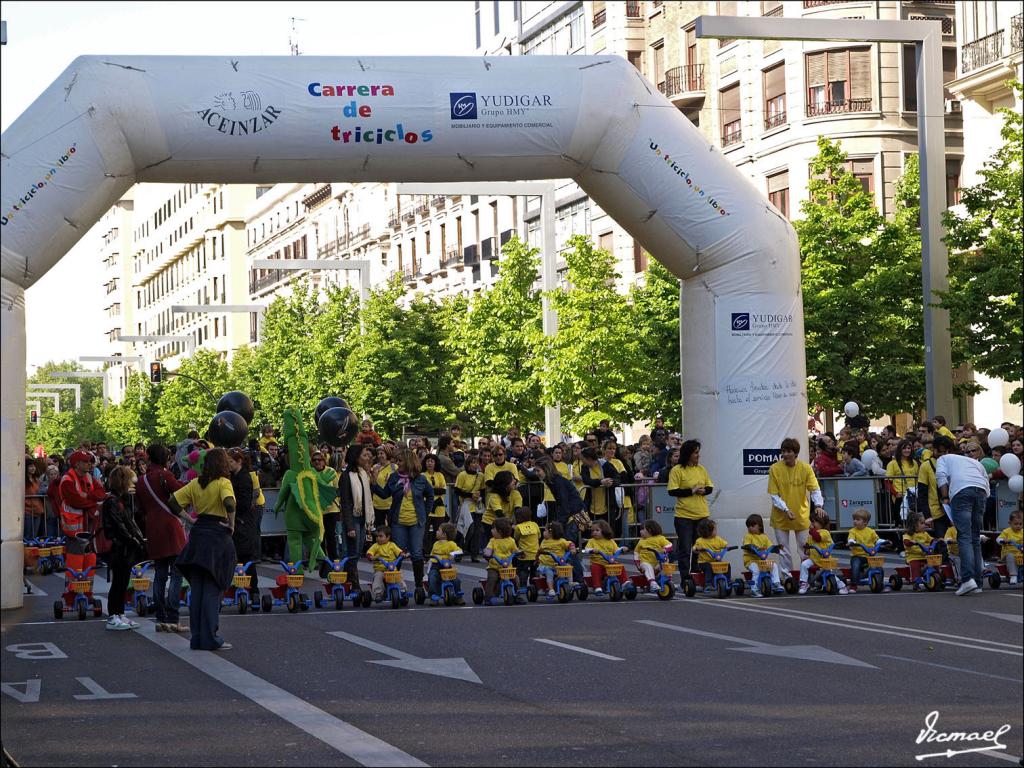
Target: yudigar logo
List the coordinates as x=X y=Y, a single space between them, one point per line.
x=741 y=321
x=463 y=106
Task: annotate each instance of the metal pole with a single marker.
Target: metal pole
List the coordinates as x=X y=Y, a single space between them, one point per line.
x=682 y=402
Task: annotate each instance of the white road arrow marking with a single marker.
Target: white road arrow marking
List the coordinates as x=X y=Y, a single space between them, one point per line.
x=456 y=669
x=1013 y=617
x=804 y=652
x=952 y=752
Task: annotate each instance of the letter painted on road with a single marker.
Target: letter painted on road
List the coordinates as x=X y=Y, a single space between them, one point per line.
x=36 y=651
x=97 y=691
x=30 y=694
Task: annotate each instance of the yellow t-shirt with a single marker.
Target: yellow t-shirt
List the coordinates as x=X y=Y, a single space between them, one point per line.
x=865 y=536
x=577 y=478
x=558 y=546
x=926 y=476
x=502 y=548
x=407 y=512
x=383 y=502
x=608 y=546
x=950 y=538
x=646 y=548
x=627 y=502
x=944 y=430
x=792 y=484
x=470 y=483
x=900 y=485
x=444 y=549
x=208 y=500
x=527 y=537
x=257 y=492
x=388 y=551
x=329 y=476
x=759 y=540
x=1009 y=535
x=691 y=507
x=563 y=469
x=506 y=466
x=440 y=492
x=598 y=494
x=824 y=543
x=715 y=543
x=915 y=553
x=499 y=507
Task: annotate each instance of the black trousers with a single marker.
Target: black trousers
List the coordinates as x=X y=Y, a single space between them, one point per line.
x=120 y=572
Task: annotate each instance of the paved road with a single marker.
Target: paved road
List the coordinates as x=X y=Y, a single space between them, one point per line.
x=781 y=681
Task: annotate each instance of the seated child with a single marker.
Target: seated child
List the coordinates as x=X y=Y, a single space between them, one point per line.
x=527 y=536
x=652 y=541
x=821 y=538
x=756 y=537
x=385 y=549
x=1012 y=535
x=501 y=545
x=916 y=534
x=861 y=534
x=953 y=549
x=708 y=538
x=600 y=541
x=554 y=542
x=446 y=549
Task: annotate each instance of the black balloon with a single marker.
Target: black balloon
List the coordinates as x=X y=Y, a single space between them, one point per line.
x=325 y=405
x=228 y=429
x=337 y=426
x=238 y=402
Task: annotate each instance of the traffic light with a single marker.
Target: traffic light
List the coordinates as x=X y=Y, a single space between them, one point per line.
x=156 y=372
x=33 y=416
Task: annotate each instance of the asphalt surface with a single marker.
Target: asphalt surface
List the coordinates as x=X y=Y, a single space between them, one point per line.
x=780 y=681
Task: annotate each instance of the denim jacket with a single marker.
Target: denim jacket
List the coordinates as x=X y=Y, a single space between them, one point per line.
x=422 y=497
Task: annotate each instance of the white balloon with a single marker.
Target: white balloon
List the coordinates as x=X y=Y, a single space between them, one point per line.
x=852 y=409
x=1010 y=465
x=997 y=437
x=1017 y=483
x=869 y=456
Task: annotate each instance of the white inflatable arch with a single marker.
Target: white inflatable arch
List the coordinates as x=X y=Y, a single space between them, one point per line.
x=109 y=122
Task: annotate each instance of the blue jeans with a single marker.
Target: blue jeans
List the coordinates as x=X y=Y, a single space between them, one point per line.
x=353 y=545
x=166 y=591
x=204 y=612
x=858 y=566
x=968 y=510
x=434 y=581
x=410 y=539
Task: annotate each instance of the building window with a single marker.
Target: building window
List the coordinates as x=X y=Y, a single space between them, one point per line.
x=910 y=75
x=774 y=96
x=606 y=242
x=639 y=258
x=778 y=192
x=658 y=64
x=863 y=171
x=576 y=29
x=729 y=100
x=636 y=58
x=726 y=9
x=953 y=181
x=838 y=81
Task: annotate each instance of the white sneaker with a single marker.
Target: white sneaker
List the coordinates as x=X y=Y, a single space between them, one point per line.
x=804 y=586
x=1013 y=581
x=654 y=586
x=967 y=587
x=598 y=591
x=115 y=623
x=551 y=593
x=128 y=622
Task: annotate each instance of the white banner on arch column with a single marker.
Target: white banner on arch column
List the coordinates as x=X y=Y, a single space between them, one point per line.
x=757 y=378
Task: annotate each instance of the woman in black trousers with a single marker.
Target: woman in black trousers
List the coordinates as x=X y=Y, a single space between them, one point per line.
x=247 y=532
x=126 y=543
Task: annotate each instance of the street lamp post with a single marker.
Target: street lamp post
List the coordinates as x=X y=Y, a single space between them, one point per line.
x=188 y=341
x=54 y=395
x=76 y=387
x=86 y=375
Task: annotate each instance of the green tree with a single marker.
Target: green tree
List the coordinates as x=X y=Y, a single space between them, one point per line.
x=135 y=417
x=984 y=298
x=592 y=367
x=494 y=345
x=655 y=309
x=185 y=404
x=861 y=285
x=70 y=427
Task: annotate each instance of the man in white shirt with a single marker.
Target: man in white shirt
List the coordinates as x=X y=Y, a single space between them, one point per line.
x=963 y=488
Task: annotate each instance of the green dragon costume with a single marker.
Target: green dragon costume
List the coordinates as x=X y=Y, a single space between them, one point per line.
x=305 y=494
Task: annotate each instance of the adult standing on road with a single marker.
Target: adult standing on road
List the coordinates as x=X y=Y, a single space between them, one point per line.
x=789 y=483
x=208 y=560
x=126 y=542
x=689 y=483
x=963 y=488
x=247 y=533
x=355 y=500
x=412 y=496
x=80 y=495
x=165 y=536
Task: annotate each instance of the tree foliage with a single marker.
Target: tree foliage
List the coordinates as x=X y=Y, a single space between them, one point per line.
x=985 y=298
x=655 y=309
x=134 y=419
x=57 y=431
x=861 y=277
x=184 y=403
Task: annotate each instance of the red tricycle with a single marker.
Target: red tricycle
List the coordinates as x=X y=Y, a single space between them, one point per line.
x=77 y=597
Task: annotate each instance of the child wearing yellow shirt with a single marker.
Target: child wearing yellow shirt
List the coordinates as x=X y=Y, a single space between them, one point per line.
x=503 y=546
x=756 y=537
x=444 y=548
x=601 y=541
x=822 y=539
x=708 y=539
x=1009 y=553
x=652 y=541
x=527 y=536
x=916 y=535
x=553 y=543
x=385 y=549
x=953 y=549
x=861 y=534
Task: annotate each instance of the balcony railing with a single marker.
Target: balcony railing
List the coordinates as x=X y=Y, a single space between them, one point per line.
x=599 y=18
x=270 y=277
x=437 y=201
x=1016 y=33
x=774 y=121
x=633 y=10
x=837 y=107
x=686 y=79
x=774 y=12
x=408 y=215
x=981 y=52
x=394 y=220
x=732 y=133
x=819 y=3
x=362 y=233
x=334 y=248
x=410 y=274
x=422 y=209
x=452 y=257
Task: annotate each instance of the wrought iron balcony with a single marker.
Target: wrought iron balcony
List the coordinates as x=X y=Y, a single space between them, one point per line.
x=732 y=133
x=599 y=18
x=815 y=109
x=634 y=10
x=982 y=52
x=437 y=201
x=684 y=84
x=1016 y=32
x=394 y=220
x=452 y=257
x=774 y=121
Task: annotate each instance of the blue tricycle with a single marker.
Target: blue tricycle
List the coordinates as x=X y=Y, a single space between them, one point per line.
x=288 y=590
x=935 y=576
x=507 y=588
x=237 y=594
x=337 y=587
x=393 y=591
x=450 y=593
x=564 y=585
x=719 y=585
x=763 y=584
x=615 y=584
x=826 y=577
x=875 y=576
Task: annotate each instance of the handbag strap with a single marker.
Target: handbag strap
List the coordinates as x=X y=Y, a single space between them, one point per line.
x=159 y=501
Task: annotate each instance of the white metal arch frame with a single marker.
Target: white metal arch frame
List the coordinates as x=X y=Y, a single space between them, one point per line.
x=109 y=122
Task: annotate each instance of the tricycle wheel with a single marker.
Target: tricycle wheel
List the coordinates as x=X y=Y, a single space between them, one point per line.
x=722 y=589
x=582 y=592
x=531 y=593
x=81 y=610
x=739 y=587
x=366 y=598
x=614 y=591
x=831 y=585
x=266 y=603
x=243 y=601
x=508 y=595
x=420 y=596
x=45 y=567
x=97 y=607
x=304 y=601
x=790 y=585
x=404 y=600
x=875 y=582
x=58 y=609
x=667 y=591
x=994 y=580
x=896 y=582
x=564 y=594
x=140 y=605
x=339 y=602
x=932 y=582
x=449 y=597
x=629 y=591
x=293 y=602
x=318 y=600
x=396 y=599
x=478 y=596
x=689 y=588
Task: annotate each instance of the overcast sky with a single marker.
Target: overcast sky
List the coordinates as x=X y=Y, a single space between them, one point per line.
x=43 y=38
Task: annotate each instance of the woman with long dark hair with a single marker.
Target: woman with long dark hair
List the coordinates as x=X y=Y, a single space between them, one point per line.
x=165 y=536
x=247 y=531
x=126 y=542
x=208 y=560
x=690 y=484
x=356 y=485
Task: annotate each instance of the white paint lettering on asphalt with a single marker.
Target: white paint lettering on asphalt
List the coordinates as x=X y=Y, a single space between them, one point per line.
x=98 y=692
x=359 y=745
x=910 y=634
x=802 y=652
x=29 y=696
x=36 y=651
x=577 y=649
x=952 y=669
x=456 y=669
x=1011 y=617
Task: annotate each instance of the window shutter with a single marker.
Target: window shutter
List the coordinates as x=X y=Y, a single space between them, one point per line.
x=838 y=66
x=860 y=73
x=730 y=105
x=815 y=69
x=778 y=182
x=774 y=82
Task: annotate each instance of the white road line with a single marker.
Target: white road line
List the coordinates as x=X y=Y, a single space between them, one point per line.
x=1014 y=618
x=954 y=669
x=577 y=649
x=841 y=623
x=36 y=591
x=345 y=738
